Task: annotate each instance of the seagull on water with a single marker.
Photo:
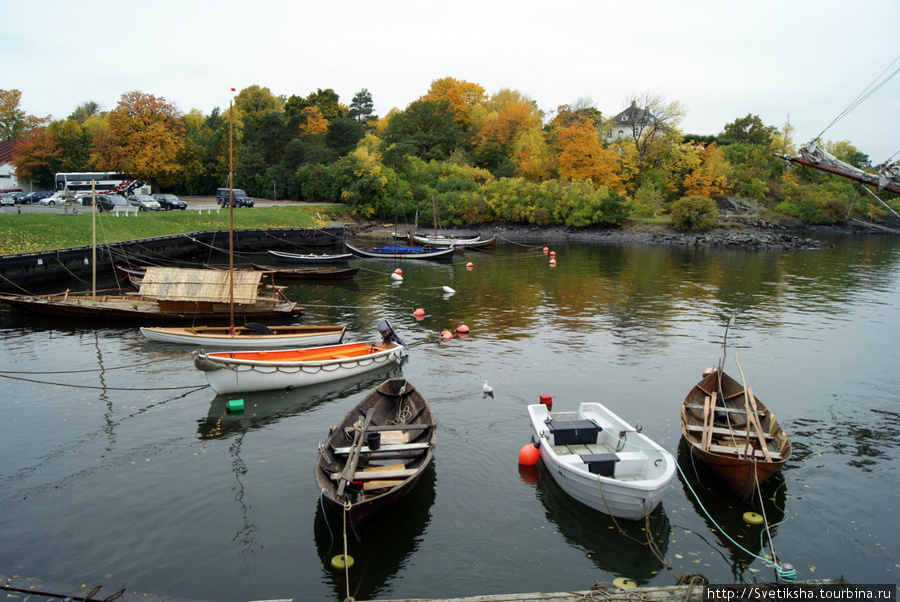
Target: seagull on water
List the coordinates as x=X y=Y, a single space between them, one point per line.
x=487 y=389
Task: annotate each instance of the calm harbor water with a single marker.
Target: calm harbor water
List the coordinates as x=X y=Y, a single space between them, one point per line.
x=120 y=468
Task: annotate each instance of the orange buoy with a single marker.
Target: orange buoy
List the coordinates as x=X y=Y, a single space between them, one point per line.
x=419 y=312
x=528 y=455
x=546 y=250
x=470 y=265
x=462 y=328
x=446 y=334
x=398 y=271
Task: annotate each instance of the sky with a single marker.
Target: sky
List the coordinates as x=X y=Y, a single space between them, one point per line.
x=800 y=62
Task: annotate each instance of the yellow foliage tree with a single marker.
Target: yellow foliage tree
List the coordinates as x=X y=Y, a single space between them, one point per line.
x=144 y=139
x=710 y=176
x=582 y=157
x=312 y=122
x=461 y=95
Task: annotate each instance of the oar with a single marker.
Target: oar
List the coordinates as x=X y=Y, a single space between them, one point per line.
x=353 y=459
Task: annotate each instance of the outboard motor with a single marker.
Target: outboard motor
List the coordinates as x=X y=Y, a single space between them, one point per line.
x=388 y=334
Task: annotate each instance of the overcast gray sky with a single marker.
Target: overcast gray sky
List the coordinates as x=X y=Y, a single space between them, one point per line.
x=805 y=62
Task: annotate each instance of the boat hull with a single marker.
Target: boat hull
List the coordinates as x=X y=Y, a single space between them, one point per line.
x=395 y=400
x=732 y=448
x=402 y=252
x=458 y=243
x=246 y=371
x=311 y=258
x=310 y=273
x=245 y=338
x=628 y=483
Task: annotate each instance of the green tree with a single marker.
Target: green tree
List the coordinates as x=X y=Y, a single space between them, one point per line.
x=426 y=129
x=362 y=108
x=694 y=213
x=748 y=130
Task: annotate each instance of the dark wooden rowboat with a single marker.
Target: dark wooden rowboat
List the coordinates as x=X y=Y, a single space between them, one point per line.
x=365 y=479
x=731 y=431
x=310 y=273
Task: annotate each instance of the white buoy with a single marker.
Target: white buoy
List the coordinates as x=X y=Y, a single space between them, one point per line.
x=447 y=289
x=396 y=277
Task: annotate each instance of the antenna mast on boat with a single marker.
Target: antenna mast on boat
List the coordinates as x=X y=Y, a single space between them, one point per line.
x=93 y=238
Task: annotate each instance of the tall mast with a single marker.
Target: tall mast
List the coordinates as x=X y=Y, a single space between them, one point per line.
x=231 y=210
x=93 y=239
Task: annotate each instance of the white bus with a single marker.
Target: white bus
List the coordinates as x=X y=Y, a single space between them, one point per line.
x=103 y=182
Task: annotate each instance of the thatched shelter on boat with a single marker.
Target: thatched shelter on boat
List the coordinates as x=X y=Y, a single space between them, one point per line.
x=184 y=284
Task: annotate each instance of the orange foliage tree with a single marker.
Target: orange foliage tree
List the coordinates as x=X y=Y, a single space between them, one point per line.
x=582 y=157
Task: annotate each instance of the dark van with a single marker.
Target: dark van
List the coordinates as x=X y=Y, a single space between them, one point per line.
x=240 y=198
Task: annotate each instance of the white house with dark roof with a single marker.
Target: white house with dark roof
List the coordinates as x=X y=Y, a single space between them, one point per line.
x=627 y=122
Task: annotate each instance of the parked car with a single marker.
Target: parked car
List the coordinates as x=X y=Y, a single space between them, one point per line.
x=109 y=202
x=240 y=198
x=169 y=201
x=7 y=199
x=34 y=197
x=144 y=201
x=58 y=198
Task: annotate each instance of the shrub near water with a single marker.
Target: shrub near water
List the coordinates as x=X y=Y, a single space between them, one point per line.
x=34 y=232
x=694 y=213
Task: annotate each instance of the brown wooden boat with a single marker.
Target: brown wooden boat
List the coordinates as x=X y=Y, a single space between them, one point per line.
x=377 y=454
x=732 y=432
x=310 y=273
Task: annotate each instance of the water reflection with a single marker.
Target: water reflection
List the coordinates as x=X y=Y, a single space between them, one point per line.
x=723 y=511
x=622 y=547
x=265 y=408
x=384 y=551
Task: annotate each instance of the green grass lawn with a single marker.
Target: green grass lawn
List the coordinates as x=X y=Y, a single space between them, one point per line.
x=33 y=232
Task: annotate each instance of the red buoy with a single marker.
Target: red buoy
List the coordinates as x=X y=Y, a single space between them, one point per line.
x=552 y=253
x=419 y=312
x=528 y=455
x=546 y=250
x=547 y=400
x=398 y=271
x=462 y=328
x=470 y=265
x=446 y=334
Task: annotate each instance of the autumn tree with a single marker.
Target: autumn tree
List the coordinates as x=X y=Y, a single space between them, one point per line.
x=709 y=176
x=504 y=117
x=37 y=157
x=583 y=157
x=461 y=95
x=13 y=120
x=327 y=101
x=145 y=137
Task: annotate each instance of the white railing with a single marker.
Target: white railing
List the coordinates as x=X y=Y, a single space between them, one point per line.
x=206 y=207
x=126 y=210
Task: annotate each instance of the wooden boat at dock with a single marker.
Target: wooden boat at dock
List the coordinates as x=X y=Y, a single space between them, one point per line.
x=377 y=454
x=602 y=461
x=167 y=294
x=733 y=432
x=248 y=336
